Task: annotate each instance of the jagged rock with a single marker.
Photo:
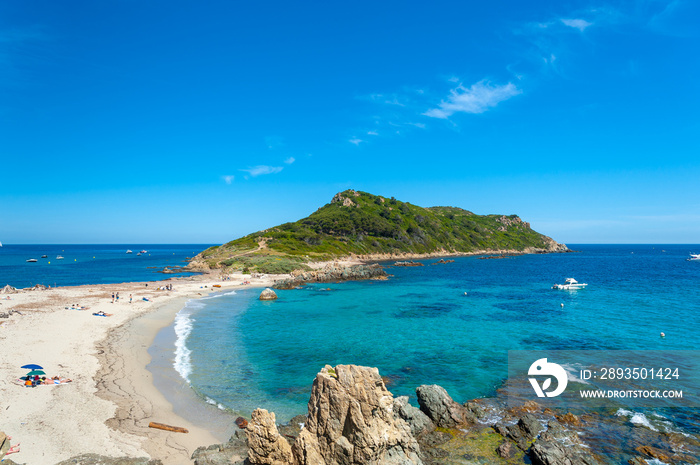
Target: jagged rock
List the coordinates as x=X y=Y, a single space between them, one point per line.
x=8 y=290
x=268 y=294
x=522 y=433
x=435 y=438
x=265 y=444
x=292 y=430
x=416 y=419
x=351 y=422
x=553 y=452
x=94 y=459
x=435 y=402
x=234 y=452
x=558 y=446
x=339 y=198
x=506 y=450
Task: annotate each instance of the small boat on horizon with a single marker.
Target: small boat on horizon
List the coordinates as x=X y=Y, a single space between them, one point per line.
x=58 y=257
x=129 y=251
x=694 y=256
x=570 y=284
x=44 y=256
x=143 y=251
x=32 y=260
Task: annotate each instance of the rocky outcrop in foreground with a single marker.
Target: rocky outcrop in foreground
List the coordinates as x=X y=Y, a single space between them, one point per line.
x=354 y=420
x=331 y=273
x=351 y=421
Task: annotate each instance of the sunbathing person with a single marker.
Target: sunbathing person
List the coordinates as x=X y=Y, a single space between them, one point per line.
x=13 y=449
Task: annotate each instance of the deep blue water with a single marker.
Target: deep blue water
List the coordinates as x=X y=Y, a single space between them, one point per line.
x=420 y=328
x=90 y=264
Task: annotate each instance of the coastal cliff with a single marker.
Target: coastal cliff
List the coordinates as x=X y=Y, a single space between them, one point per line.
x=370 y=227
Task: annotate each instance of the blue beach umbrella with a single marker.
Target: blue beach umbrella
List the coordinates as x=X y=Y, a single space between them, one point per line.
x=33 y=366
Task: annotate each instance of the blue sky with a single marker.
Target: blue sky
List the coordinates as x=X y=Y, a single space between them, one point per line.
x=191 y=122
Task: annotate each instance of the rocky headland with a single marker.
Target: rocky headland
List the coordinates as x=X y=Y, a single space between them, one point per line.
x=362 y=226
x=332 y=272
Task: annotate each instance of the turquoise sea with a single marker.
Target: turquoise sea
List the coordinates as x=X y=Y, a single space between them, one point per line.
x=419 y=327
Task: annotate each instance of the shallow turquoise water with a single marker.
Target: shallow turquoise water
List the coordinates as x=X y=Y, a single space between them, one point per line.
x=420 y=328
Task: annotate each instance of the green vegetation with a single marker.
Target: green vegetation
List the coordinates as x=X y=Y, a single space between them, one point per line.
x=362 y=224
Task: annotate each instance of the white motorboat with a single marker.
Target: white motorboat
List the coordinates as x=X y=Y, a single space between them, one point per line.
x=570 y=283
x=129 y=251
x=694 y=256
x=58 y=257
x=143 y=251
x=32 y=260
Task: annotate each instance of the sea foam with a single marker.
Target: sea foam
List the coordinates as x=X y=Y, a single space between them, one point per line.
x=638 y=419
x=183 y=328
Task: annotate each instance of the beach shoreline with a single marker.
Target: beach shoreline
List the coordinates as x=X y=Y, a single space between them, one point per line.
x=112 y=398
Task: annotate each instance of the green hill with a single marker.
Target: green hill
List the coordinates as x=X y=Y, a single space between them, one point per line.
x=358 y=223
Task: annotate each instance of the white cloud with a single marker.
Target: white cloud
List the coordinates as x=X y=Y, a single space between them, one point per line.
x=372 y=133
x=290 y=160
x=579 y=24
x=228 y=179
x=476 y=99
x=356 y=141
x=262 y=169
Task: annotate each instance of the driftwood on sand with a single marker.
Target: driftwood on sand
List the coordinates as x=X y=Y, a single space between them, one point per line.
x=175 y=429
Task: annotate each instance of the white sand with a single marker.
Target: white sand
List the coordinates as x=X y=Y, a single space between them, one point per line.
x=107 y=407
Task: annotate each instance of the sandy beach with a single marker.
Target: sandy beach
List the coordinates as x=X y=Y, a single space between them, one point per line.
x=107 y=406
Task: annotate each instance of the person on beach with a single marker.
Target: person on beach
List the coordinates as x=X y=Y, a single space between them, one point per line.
x=117 y=297
x=112 y=296
x=130 y=298
x=13 y=449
